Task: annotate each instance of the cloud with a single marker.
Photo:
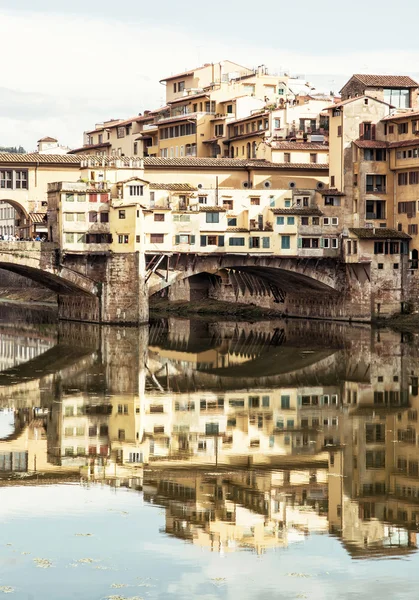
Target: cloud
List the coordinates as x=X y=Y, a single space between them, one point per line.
x=65 y=72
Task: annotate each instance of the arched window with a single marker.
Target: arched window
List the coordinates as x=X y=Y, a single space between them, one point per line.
x=248 y=150
x=254 y=148
x=414 y=260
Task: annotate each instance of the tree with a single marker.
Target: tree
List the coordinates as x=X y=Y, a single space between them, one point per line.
x=13 y=149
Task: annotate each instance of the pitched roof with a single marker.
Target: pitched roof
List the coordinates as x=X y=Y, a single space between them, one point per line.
x=47 y=139
x=203 y=208
x=173 y=187
x=349 y=100
x=184 y=74
x=190 y=97
x=299 y=146
x=370 y=144
x=331 y=192
x=404 y=143
x=397 y=81
x=401 y=115
x=228 y=163
x=263 y=113
x=379 y=233
x=35 y=158
x=297 y=210
x=90 y=147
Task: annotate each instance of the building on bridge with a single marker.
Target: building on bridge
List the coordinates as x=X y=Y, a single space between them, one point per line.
x=221 y=110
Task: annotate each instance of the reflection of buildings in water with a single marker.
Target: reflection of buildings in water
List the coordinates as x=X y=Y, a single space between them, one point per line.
x=18 y=349
x=241 y=509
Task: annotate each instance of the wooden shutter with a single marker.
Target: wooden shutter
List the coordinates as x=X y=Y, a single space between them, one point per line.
x=177 y=239
x=361 y=131
x=203 y=240
x=221 y=240
x=192 y=239
x=373 y=131
x=300 y=242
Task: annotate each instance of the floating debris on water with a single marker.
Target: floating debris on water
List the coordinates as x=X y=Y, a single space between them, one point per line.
x=83 y=534
x=88 y=560
x=119 y=585
x=42 y=563
x=6 y=589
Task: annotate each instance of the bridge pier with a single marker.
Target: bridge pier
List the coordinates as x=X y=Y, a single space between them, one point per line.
x=121 y=297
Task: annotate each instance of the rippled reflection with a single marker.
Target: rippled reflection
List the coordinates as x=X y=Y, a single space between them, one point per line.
x=247 y=436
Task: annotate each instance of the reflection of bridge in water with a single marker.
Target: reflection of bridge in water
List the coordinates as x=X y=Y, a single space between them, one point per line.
x=274 y=409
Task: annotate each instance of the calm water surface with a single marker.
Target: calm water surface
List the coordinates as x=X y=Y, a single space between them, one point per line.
x=206 y=459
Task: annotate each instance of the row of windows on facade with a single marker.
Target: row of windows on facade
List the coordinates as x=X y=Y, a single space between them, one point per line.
x=326 y=221
x=259 y=125
x=174 y=152
x=81 y=451
x=7 y=213
x=92 y=431
x=304 y=423
x=13 y=180
x=253 y=241
x=411 y=178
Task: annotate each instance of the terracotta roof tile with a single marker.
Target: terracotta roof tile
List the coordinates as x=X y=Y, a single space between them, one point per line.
x=254 y=116
x=401 y=115
x=370 y=144
x=190 y=97
x=35 y=158
x=331 y=192
x=90 y=147
x=396 y=81
x=404 y=143
x=228 y=163
x=349 y=100
x=379 y=233
x=173 y=187
x=47 y=139
x=299 y=146
x=212 y=209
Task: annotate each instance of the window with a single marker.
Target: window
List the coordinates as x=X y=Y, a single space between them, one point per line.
x=304 y=220
x=402 y=128
x=277 y=123
x=412 y=229
x=316 y=221
x=135 y=151
x=236 y=241
x=332 y=181
x=287 y=203
x=290 y=220
x=156 y=238
x=287 y=157
x=219 y=130
x=180 y=86
x=335 y=243
x=254 y=242
x=104 y=217
x=376 y=183
x=229 y=109
x=202 y=199
x=159 y=217
x=121 y=435
x=228 y=204
x=68 y=197
x=212 y=217
x=339 y=130
x=21 y=180
x=123 y=239
x=280 y=220
x=285 y=242
x=402 y=179
x=136 y=190
x=121 y=214
x=414 y=177
x=254 y=201
x=313 y=158
x=326 y=221
x=285 y=402
x=232 y=222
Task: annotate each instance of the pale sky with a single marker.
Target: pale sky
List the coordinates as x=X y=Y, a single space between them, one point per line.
x=67 y=65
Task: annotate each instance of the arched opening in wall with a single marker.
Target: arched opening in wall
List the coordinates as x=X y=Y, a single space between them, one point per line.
x=12 y=216
x=248 y=150
x=254 y=150
x=414 y=262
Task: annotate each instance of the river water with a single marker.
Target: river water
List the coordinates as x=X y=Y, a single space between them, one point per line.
x=207 y=459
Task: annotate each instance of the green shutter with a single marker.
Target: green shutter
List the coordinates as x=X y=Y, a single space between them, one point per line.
x=300 y=243
x=221 y=240
x=177 y=239
x=250 y=242
x=321 y=243
x=203 y=240
x=299 y=400
x=192 y=238
x=265 y=242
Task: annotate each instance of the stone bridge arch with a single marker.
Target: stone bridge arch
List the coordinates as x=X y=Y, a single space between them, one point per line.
x=288 y=274
x=40 y=262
